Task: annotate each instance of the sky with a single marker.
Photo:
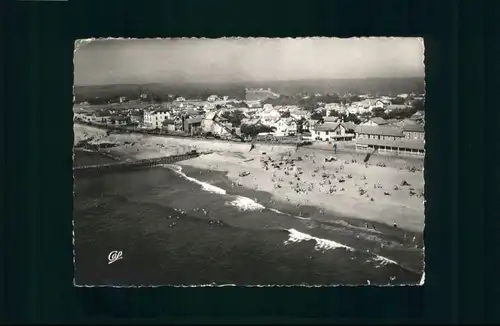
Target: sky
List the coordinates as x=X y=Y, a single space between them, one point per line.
x=135 y=61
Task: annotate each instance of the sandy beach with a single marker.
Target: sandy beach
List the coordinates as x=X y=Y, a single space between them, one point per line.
x=386 y=190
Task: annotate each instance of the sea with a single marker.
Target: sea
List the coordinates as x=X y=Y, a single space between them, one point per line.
x=173 y=225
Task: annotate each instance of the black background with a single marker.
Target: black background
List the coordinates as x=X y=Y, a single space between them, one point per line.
x=461 y=229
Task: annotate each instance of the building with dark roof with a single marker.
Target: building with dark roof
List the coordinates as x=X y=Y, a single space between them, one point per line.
x=168 y=124
x=333 y=131
x=193 y=125
x=119 y=120
x=414 y=132
x=378 y=132
x=215 y=124
x=391 y=147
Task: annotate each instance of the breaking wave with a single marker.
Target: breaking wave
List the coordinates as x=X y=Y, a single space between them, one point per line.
x=321 y=244
x=324 y=244
x=241 y=203
x=282 y=213
x=246 y=204
x=205 y=186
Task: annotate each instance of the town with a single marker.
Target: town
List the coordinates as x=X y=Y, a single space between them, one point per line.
x=388 y=124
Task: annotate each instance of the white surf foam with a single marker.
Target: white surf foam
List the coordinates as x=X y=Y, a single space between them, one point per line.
x=242 y=203
x=382 y=260
x=205 y=186
x=246 y=204
x=282 y=213
x=321 y=244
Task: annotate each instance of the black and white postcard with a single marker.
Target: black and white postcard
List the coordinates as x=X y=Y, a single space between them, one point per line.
x=249 y=161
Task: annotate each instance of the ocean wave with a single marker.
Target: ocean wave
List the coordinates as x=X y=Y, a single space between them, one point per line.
x=205 y=186
x=324 y=244
x=83 y=149
x=241 y=203
x=283 y=213
x=382 y=260
x=246 y=204
x=321 y=244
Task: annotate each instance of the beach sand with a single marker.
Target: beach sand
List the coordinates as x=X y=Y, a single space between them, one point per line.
x=390 y=194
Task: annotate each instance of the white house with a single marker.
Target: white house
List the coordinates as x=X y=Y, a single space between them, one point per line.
x=180 y=99
x=333 y=131
x=299 y=114
x=393 y=107
x=285 y=127
x=270 y=115
x=253 y=104
x=212 y=98
x=154 y=118
x=213 y=123
x=376 y=121
x=267 y=107
x=353 y=109
x=333 y=106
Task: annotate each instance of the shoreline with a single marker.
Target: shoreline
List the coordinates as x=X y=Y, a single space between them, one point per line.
x=402 y=246
x=394 y=243
x=337 y=194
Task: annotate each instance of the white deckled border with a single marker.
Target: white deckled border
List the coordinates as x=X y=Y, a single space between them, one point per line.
x=79 y=43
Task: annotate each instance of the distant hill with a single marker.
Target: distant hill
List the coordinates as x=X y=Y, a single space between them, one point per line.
x=237 y=90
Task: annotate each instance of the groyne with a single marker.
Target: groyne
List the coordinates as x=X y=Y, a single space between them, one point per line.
x=131 y=165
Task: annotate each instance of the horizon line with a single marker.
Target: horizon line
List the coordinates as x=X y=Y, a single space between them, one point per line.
x=248 y=81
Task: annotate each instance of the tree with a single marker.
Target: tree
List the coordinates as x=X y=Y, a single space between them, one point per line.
x=234 y=117
x=378 y=112
x=316 y=116
x=398 y=100
x=254 y=130
x=402 y=113
x=366 y=114
x=334 y=113
x=350 y=118
x=419 y=105
x=300 y=125
x=241 y=104
x=285 y=114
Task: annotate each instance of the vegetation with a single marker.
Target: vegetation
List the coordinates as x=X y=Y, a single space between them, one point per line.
x=398 y=100
x=254 y=130
x=234 y=117
x=419 y=105
x=401 y=113
x=350 y=118
x=379 y=112
x=285 y=114
x=316 y=116
x=300 y=125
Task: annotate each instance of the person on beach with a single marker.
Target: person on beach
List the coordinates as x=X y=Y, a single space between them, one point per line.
x=334 y=148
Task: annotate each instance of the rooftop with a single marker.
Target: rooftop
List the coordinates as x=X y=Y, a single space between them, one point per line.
x=407 y=144
x=380 y=121
x=413 y=128
x=379 y=130
x=330 y=126
x=194 y=120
